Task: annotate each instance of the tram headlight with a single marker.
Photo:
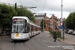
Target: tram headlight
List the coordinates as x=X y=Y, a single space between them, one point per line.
x=12 y=34
x=22 y=34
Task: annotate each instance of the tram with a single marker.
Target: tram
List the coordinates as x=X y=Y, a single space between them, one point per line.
x=23 y=28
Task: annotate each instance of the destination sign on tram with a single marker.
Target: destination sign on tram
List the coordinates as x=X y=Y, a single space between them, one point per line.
x=16 y=20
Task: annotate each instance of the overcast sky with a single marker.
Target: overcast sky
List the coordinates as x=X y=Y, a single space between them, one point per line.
x=51 y=6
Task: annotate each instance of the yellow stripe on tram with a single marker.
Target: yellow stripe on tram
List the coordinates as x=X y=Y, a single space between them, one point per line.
x=17 y=34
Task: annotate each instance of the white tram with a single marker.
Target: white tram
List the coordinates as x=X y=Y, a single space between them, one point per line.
x=23 y=28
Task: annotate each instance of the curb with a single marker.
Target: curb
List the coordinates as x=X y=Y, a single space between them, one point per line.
x=59 y=40
x=66 y=42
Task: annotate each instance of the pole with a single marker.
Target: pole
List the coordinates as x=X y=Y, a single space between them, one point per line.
x=61 y=17
x=63 y=34
x=16 y=6
x=49 y=23
x=52 y=22
x=63 y=31
x=43 y=26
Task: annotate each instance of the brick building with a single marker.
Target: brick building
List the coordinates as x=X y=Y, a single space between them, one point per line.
x=53 y=20
x=39 y=17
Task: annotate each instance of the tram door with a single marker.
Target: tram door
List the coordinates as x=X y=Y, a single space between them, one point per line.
x=32 y=33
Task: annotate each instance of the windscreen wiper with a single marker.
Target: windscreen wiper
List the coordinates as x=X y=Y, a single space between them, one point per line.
x=21 y=29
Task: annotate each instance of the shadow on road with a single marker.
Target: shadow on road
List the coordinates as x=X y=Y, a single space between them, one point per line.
x=19 y=41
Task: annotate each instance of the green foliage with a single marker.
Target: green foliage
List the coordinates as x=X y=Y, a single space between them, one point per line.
x=41 y=24
x=58 y=33
x=6 y=14
x=32 y=19
x=51 y=32
x=70 y=20
x=24 y=12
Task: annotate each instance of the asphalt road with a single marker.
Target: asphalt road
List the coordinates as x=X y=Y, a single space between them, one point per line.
x=43 y=41
x=70 y=36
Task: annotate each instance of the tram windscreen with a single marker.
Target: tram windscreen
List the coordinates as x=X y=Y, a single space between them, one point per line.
x=18 y=26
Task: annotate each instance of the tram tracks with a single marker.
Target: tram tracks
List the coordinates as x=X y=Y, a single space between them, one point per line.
x=14 y=46
x=24 y=46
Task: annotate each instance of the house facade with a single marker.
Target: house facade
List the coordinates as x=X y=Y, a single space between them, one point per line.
x=51 y=22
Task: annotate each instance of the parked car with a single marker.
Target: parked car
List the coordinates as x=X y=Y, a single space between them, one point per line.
x=70 y=31
x=66 y=31
x=73 y=32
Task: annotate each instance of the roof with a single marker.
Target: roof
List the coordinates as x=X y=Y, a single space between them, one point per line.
x=24 y=17
x=39 y=15
x=46 y=17
x=54 y=17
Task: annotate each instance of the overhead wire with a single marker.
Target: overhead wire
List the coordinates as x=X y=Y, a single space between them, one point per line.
x=21 y=3
x=44 y=6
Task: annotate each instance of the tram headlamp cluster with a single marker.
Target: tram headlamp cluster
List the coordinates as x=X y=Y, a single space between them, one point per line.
x=12 y=34
x=22 y=34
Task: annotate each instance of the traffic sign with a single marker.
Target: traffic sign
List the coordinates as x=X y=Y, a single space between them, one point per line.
x=61 y=27
x=61 y=23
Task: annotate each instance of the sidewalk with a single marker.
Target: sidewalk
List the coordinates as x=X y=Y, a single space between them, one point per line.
x=67 y=40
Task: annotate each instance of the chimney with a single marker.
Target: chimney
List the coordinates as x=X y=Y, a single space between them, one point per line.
x=45 y=14
x=52 y=14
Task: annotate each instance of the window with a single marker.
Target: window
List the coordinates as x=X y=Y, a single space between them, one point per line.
x=18 y=25
x=28 y=27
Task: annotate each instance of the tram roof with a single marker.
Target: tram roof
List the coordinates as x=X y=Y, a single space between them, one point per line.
x=29 y=21
x=24 y=17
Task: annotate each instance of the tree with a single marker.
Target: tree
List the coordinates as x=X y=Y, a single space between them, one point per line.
x=41 y=24
x=6 y=14
x=70 y=21
x=24 y=12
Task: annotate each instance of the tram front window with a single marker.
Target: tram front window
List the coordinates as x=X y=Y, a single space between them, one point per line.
x=18 y=26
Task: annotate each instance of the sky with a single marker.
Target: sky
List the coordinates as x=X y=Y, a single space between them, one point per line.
x=46 y=6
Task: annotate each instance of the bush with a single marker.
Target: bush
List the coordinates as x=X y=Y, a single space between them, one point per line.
x=51 y=32
x=58 y=33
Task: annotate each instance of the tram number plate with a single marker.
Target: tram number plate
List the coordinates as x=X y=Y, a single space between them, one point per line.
x=17 y=34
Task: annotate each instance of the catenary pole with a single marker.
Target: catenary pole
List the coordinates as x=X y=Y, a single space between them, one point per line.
x=61 y=17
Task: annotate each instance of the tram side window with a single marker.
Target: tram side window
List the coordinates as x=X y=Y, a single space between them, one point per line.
x=25 y=26
x=36 y=28
x=28 y=28
x=31 y=28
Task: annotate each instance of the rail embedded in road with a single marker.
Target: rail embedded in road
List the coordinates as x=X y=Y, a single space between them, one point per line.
x=23 y=43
